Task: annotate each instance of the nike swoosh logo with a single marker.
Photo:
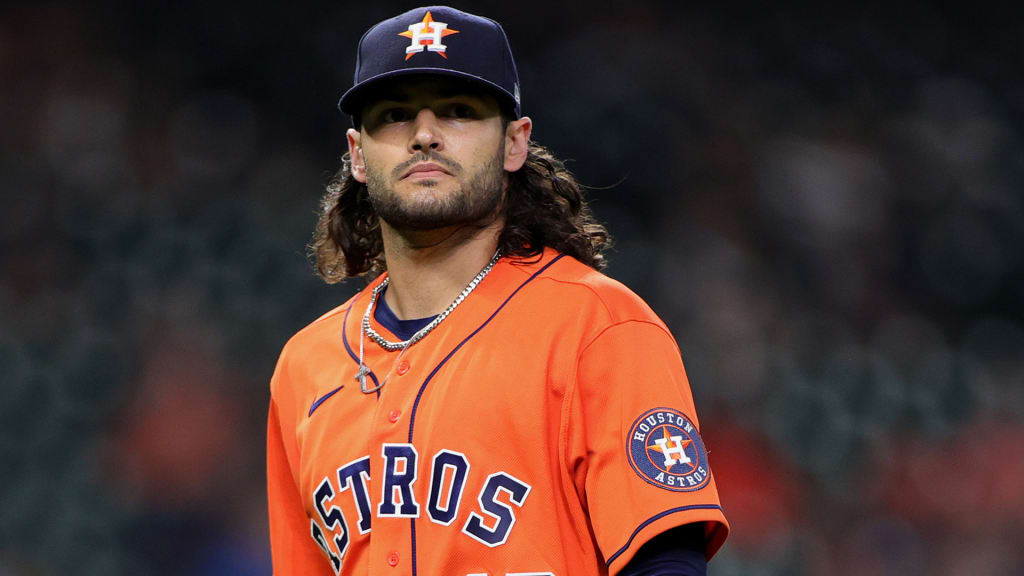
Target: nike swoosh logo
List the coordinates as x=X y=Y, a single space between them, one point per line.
x=320 y=400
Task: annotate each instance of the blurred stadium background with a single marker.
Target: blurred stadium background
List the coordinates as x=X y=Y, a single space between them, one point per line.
x=825 y=206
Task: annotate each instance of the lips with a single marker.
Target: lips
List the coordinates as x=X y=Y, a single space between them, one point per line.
x=426 y=170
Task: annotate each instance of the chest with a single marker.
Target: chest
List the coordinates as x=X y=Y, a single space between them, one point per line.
x=457 y=427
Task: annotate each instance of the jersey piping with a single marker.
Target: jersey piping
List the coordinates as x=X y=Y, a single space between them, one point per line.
x=654 y=518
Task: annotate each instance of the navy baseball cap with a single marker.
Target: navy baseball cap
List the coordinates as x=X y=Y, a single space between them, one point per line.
x=436 y=40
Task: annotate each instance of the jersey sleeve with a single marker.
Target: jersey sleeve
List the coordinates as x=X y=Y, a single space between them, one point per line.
x=635 y=446
x=293 y=550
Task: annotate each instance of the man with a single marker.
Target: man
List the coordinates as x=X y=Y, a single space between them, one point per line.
x=490 y=403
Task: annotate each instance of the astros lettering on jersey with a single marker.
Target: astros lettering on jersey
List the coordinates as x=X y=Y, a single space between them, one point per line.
x=545 y=427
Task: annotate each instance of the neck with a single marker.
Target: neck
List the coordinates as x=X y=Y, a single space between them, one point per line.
x=428 y=269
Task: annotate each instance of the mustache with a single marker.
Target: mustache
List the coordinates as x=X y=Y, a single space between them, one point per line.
x=451 y=165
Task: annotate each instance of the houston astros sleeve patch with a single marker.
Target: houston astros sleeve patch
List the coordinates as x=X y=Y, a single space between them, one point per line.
x=665 y=450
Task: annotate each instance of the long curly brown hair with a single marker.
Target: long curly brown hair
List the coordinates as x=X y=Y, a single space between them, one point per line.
x=544 y=206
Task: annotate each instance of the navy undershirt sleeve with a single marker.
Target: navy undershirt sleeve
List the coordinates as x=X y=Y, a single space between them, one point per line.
x=675 y=552
x=404 y=329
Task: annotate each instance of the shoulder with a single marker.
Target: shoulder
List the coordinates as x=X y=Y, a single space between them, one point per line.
x=318 y=329
x=570 y=285
x=317 y=344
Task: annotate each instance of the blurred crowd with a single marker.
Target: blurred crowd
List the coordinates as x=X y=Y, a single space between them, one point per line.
x=825 y=209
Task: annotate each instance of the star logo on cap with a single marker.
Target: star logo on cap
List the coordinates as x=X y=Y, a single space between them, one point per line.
x=426 y=35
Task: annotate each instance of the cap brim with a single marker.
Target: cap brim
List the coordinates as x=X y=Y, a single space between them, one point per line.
x=352 y=100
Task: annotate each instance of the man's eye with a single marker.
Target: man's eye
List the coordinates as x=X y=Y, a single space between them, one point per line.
x=394 y=115
x=462 y=111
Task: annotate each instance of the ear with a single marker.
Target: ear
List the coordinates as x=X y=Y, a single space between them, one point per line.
x=355 y=153
x=517 y=143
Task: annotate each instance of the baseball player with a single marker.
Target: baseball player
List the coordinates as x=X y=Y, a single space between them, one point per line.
x=490 y=403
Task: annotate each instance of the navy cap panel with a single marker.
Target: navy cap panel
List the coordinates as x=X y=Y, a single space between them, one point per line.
x=448 y=42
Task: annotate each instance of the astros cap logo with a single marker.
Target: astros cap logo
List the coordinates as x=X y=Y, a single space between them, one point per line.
x=427 y=35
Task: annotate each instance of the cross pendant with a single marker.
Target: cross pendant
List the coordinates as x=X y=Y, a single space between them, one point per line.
x=361 y=376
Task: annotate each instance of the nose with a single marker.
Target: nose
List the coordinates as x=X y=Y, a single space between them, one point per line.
x=426 y=135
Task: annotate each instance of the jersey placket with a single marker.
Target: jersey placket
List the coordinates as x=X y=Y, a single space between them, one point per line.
x=396 y=465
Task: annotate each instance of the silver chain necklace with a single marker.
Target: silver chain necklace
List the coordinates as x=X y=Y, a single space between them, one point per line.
x=365 y=330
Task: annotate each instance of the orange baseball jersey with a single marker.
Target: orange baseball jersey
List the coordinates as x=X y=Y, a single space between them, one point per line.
x=545 y=427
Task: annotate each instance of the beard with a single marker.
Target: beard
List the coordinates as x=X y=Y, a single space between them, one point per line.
x=475 y=199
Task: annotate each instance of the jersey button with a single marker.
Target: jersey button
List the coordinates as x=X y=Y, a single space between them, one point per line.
x=394 y=415
x=392 y=559
x=403 y=367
